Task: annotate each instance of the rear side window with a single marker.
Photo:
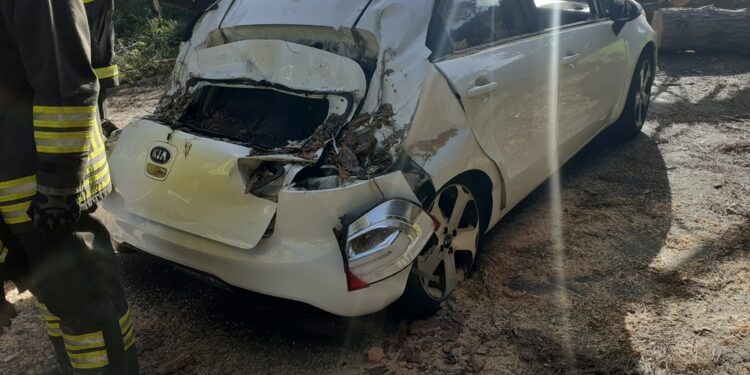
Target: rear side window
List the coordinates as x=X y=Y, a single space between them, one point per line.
x=472 y=23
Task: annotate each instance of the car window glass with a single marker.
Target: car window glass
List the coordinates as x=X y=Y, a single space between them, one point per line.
x=610 y=8
x=571 y=11
x=605 y=8
x=473 y=23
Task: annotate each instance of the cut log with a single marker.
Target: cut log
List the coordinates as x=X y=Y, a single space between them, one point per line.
x=706 y=29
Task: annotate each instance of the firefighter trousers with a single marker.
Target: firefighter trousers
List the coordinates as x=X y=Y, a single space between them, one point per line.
x=75 y=277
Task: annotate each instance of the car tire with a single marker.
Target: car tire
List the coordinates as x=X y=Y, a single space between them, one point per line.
x=633 y=116
x=455 y=242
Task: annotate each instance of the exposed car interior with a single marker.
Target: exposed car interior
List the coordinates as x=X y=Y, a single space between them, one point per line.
x=262 y=117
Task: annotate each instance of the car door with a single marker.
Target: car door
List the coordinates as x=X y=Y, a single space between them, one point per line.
x=498 y=66
x=592 y=72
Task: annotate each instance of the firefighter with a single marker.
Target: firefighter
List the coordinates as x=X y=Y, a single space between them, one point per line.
x=53 y=171
x=102 y=30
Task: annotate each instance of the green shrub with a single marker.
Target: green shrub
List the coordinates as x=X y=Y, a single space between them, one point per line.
x=146 y=43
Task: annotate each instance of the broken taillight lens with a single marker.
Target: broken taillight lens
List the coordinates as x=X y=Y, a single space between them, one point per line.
x=385 y=241
x=353 y=283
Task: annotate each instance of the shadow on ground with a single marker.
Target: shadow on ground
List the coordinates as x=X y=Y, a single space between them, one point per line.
x=616 y=203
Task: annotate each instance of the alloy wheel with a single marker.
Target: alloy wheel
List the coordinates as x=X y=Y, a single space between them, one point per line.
x=449 y=256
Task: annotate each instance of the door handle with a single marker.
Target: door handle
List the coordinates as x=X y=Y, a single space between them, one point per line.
x=570 y=58
x=477 y=91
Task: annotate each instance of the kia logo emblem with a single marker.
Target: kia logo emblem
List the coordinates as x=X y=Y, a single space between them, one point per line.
x=160 y=155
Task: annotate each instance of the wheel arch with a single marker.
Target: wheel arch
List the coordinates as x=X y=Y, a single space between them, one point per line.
x=443 y=144
x=650 y=47
x=480 y=185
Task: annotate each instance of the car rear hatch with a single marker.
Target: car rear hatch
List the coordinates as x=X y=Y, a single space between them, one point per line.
x=326 y=13
x=189 y=183
x=250 y=97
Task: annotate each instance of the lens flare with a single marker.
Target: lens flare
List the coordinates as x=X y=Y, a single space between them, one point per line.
x=555 y=216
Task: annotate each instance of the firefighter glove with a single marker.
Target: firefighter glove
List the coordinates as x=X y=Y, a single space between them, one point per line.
x=52 y=213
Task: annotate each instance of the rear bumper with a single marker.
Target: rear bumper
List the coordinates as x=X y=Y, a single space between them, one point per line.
x=301 y=261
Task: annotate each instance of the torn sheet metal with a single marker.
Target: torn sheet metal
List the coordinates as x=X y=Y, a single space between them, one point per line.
x=327 y=13
x=397 y=28
x=290 y=65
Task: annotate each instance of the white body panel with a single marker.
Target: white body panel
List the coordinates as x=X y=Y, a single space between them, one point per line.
x=205 y=192
x=591 y=83
x=199 y=214
x=511 y=120
x=291 y=65
x=301 y=261
x=327 y=13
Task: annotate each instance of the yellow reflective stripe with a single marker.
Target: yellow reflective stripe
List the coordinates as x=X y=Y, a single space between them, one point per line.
x=89 y=360
x=99 y=163
x=93 y=345
x=23 y=206
x=53 y=322
x=95 y=189
x=125 y=319
x=59 y=142
x=15 y=213
x=20 y=188
x=17 y=182
x=64 y=110
x=62 y=149
x=3 y=253
x=63 y=124
x=126 y=327
x=107 y=72
x=82 y=342
x=64 y=117
x=17 y=220
x=84 y=135
x=51 y=318
x=88 y=337
x=128 y=340
x=99 y=175
x=53 y=329
x=88 y=1
x=17 y=196
x=98 y=148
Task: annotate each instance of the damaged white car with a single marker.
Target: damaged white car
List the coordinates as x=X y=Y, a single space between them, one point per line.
x=350 y=153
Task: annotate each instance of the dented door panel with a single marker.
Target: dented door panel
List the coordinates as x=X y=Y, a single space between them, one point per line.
x=512 y=120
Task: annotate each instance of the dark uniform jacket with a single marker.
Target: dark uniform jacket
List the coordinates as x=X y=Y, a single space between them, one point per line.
x=99 y=14
x=50 y=140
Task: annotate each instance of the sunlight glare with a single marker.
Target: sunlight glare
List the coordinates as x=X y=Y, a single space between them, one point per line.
x=556 y=238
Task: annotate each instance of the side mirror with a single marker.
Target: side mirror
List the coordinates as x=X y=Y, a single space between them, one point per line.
x=622 y=12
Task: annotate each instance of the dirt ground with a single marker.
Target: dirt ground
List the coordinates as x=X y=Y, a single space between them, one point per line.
x=657 y=278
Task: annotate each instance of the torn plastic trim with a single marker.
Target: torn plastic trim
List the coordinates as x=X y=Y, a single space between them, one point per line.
x=386 y=240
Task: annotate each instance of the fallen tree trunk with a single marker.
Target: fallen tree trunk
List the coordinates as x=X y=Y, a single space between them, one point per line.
x=706 y=29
